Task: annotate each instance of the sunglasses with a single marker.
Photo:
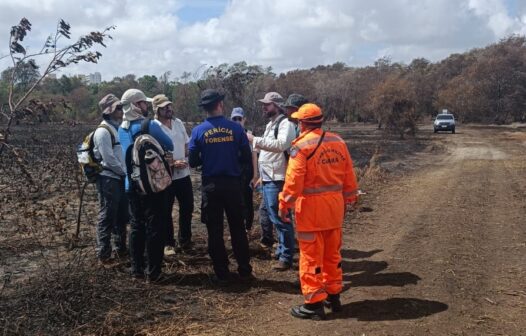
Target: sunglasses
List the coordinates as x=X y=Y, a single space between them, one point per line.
x=237 y=118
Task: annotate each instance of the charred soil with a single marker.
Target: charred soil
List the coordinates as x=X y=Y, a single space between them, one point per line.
x=436 y=247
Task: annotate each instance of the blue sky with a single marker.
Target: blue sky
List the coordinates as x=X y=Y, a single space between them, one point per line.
x=185 y=35
x=195 y=11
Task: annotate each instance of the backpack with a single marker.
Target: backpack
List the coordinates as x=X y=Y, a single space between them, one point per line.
x=90 y=165
x=150 y=172
x=276 y=129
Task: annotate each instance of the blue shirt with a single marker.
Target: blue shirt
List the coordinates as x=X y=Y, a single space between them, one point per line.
x=220 y=145
x=126 y=139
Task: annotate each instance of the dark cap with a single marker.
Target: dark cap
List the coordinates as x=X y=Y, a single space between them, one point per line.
x=210 y=96
x=295 y=100
x=109 y=103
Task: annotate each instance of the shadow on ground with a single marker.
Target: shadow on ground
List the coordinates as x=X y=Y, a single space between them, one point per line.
x=390 y=309
x=355 y=254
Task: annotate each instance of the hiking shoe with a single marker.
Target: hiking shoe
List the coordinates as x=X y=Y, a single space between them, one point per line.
x=281 y=266
x=137 y=276
x=187 y=248
x=221 y=281
x=158 y=279
x=333 y=303
x=247 y=278
x=169 y=250
x=312 y=311
x=266 y=245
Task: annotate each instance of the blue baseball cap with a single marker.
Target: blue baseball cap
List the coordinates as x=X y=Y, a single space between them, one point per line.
x=237 y=112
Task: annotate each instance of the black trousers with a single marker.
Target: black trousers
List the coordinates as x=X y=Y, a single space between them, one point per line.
x=182 y=190
x=224 y=195
x=147 y=231
x=248 y=198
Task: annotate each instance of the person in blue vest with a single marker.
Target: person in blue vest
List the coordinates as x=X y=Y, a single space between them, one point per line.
x=221 y=147
x=147 y=229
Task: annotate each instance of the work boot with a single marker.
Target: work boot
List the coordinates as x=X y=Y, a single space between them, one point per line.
x=313 y=311
x=333 y=303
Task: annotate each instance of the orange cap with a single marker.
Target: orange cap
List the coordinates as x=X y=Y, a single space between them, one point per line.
x=307 y=111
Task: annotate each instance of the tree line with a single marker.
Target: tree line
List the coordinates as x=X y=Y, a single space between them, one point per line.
x=484 y=85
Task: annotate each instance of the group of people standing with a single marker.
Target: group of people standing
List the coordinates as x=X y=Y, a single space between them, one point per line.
x=299 y=167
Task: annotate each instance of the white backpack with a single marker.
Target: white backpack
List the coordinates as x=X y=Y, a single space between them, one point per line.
x=151 y=172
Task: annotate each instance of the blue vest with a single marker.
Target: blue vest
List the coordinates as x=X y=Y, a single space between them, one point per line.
x=126 y=137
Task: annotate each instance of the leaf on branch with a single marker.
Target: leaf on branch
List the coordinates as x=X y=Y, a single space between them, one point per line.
x=49 y=43
x=64 y=29
x=58 y=64
x=16 y=48
x=19 y=32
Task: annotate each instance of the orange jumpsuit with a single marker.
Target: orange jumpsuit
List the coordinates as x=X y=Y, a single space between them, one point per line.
x=318 y=187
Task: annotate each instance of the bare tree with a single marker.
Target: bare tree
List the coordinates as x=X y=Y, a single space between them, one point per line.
x=59 y=57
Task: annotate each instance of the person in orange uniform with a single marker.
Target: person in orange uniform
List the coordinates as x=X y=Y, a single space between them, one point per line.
x=320 y=181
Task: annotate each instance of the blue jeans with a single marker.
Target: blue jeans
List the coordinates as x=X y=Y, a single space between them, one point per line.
x=267 y=229
x=113 y=216
x=285 y=231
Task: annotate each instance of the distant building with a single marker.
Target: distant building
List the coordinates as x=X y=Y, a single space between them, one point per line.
x=84 y=79
x=95 y=78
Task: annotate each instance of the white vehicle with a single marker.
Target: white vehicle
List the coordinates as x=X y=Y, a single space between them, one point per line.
x=444 y=122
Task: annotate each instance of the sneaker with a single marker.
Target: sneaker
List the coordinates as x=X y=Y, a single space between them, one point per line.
x=281 y=266
x=312 y=311
x=266 y=245
x=169 y=250
x=333 y=303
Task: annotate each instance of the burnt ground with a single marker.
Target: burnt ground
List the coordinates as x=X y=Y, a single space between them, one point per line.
x=437 y=247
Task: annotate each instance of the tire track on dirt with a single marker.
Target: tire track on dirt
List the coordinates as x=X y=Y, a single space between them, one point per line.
x=452 y=240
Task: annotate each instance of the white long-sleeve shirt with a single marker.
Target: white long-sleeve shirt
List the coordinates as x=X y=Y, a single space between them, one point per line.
x=272 y=160
x=180 y=140
x=111 y=156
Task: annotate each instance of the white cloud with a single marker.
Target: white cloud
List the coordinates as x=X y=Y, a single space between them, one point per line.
x=150 y=37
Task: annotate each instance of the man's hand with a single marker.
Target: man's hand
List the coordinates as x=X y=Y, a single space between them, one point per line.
x=284 y=215
x=255 y=182
x=180 y=164
x=250 y=137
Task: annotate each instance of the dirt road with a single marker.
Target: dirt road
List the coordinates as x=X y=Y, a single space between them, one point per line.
x=443 y=252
